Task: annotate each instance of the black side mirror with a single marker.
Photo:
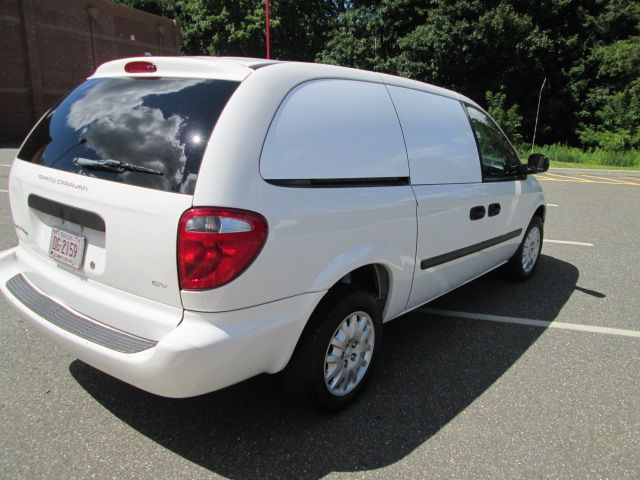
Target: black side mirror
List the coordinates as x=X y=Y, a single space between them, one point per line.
x=538 y=163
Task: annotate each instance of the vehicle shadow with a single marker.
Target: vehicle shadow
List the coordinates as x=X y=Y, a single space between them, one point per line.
x=433 y=368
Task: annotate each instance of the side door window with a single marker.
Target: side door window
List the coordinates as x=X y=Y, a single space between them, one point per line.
x=335 y=129
x=496 y=153
x=438 y=136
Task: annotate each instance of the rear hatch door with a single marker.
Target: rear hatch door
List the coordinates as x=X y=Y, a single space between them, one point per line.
x=98 y=190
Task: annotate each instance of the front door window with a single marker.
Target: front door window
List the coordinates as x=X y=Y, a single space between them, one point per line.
x=496 y=153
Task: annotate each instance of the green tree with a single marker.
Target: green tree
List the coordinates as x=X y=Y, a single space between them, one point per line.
x=300 y=28
x=611 y=113
x=587 y=50
x=472 y=46
x=355 y=40
x=216 y=27
x=509 y=118
x=475 y=46
x=166 y=8
x=222 y=27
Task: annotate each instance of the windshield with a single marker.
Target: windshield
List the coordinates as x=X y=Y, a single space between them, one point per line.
x=159 y=124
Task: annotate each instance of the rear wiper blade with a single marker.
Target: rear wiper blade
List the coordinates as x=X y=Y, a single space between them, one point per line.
x=113 y=166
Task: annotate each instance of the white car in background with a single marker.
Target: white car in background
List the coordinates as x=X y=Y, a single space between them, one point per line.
x=188 y=223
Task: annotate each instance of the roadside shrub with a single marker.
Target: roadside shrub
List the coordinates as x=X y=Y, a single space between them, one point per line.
x=594 y=156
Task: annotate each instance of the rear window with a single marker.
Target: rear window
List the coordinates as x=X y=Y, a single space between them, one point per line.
x=145 y=132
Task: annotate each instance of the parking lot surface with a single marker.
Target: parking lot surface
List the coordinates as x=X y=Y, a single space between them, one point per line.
x=495 y=380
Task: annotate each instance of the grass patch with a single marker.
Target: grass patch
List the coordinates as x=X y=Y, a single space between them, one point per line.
x=563 y=156
x=594 y=166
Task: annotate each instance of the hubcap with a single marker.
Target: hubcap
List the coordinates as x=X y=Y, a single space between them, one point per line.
x=531 y=249
x=349 y=353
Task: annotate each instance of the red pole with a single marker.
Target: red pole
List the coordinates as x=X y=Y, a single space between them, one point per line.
x=267 y=30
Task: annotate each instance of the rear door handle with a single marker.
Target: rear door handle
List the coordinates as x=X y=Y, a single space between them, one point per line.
x=494 y=209
x=476 y=213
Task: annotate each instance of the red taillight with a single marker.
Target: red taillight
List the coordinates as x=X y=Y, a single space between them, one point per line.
x=215 y=245
x=140 y=67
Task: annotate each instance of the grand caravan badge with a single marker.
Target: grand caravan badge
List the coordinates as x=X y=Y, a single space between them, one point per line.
x=64 y=183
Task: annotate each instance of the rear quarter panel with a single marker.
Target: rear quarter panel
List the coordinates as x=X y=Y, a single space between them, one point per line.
x=316 y=235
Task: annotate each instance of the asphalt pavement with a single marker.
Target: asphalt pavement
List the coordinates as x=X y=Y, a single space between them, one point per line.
x=498 y=380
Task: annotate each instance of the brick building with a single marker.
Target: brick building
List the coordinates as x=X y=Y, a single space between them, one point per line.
x=49 y=46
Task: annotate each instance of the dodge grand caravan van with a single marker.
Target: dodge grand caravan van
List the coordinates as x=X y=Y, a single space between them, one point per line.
x=187 y=223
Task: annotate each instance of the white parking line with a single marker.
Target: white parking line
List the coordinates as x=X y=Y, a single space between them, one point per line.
x=5 y=165
x=4 y=191
x=533 y=323
x=566 y=242
x=551 y=205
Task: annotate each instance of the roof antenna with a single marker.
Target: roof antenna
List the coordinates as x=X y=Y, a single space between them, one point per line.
x=535 y=127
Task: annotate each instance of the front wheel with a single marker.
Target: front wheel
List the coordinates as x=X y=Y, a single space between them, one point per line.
x=337 y=351
x=523 y=263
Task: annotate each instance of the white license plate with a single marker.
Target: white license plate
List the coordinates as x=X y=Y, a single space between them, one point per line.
x=66 y=247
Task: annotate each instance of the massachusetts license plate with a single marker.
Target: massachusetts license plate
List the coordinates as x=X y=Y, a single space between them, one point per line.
x=66 y=248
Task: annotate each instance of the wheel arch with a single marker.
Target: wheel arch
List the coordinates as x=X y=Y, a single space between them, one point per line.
x=374 y=278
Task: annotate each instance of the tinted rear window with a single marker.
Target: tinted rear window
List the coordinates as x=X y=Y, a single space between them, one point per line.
x=161 y=124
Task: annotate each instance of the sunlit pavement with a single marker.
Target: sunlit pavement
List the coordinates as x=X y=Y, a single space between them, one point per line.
x=607 y=177
x=495 y=380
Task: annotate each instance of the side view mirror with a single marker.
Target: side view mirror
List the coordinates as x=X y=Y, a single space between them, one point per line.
x=538 y=163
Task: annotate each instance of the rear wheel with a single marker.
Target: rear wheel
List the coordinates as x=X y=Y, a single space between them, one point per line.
x=523 y=263
x=337 y=351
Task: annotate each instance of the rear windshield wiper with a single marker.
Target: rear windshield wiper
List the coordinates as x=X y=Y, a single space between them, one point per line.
x=113 y=166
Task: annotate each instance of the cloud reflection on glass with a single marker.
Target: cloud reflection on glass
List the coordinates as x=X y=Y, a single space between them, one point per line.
x=118 y=124
x=162 y=124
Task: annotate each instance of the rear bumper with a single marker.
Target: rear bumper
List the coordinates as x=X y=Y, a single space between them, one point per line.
x=205 y=352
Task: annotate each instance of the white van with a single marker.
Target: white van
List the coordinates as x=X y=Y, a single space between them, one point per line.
x=187 y=223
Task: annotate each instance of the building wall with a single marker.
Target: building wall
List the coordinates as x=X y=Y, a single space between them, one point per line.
x=49 y=46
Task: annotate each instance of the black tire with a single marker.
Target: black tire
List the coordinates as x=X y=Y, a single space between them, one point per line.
x=304 y=377
x=516 y=268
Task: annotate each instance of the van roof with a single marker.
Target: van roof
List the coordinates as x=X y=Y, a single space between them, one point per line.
x=239 y=68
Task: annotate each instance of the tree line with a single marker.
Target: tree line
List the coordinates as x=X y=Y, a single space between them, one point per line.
x=498 y=53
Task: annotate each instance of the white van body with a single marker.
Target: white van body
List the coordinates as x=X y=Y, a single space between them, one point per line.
x=350 y=169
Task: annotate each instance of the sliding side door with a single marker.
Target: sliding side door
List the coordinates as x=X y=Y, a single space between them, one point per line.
x=463 y=221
